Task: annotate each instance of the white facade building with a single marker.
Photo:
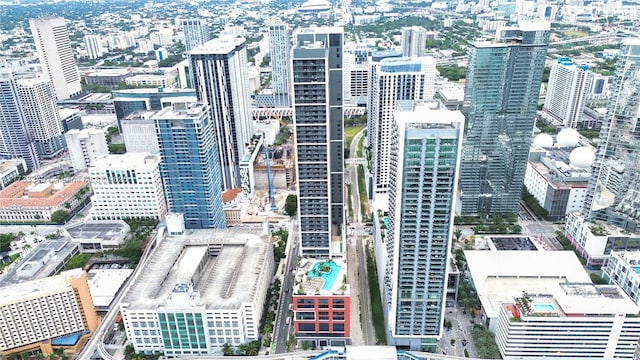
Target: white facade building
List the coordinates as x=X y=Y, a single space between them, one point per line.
x=199 y=292
x=196 y=33
x=139 y=132
x=41 y=114
x=279 y=51
x=414 y=41
x=426 y=141
x=56 y=57
x=530 y=295
x=10 y=170
x=127 y=186
x=93 y=43
x=623 y=269
x=569 y=85
x=393 y=79
x=86 y=146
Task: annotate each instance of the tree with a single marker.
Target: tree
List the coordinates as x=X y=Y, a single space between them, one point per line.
x=59 y=216
x=5 y=241
x=457 y=233
x=291 y=205
x=227 y=350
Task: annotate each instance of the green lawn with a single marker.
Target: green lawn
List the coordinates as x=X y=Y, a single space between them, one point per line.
x=350 y=203
x=362 y=191
x=359 y=148
x=377 y=314
x=350 y=132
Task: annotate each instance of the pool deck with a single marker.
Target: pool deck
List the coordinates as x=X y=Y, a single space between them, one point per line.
x=312 y=284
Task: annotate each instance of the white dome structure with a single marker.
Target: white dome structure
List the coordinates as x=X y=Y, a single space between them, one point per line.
x=567 y=138
x=582 y=157
x=542 y=141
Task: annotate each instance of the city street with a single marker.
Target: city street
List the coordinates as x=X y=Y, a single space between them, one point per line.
x=282 y=329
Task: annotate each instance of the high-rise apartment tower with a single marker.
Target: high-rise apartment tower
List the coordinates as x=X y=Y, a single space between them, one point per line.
x=394 y=79
x=569 y=84
x=414 y=41
x=220 y=78
x=426 y=145
x=318 y=121
x=196 y=33
x=501 y=96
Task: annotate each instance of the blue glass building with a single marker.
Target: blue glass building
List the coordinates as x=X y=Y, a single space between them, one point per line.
x=190 y=168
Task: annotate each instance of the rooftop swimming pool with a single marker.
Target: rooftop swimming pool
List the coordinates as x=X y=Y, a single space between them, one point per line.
x=636 y=269
x=544 y=308
x=329 y=278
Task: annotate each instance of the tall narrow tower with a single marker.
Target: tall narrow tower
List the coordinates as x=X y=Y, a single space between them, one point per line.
x=279 y=51
x=425 y=151
x=14 y=140
x=414 y=41
x=41 y=114
x=190 y=168
x=613 y=194
x=196 y=33
x=394 y=79
x=318 y=121
x=55 y=54
x=501 y=96
x=219 y=70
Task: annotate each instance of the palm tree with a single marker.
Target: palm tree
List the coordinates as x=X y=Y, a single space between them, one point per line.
x=67 y=205
x=457 y=233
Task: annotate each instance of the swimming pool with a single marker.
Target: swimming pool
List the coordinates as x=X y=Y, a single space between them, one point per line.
x=544 y=308
x=386 y=221
x=636 y=269
x=329 y=278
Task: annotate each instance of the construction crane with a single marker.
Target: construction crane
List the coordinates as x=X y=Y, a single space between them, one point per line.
x=272 y=198
x=292 y=141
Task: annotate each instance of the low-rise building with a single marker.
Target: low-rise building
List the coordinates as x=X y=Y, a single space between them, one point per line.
x=233 y=201
x=86 y=146
x=46 y=259
x=10 y=170
x=321 y=303
x=34 y=313
x=151 y=80
x=199 y=291
x=29 y=202
x=595 y=241
x=127 y=186
x=107 y=77
x=527 y=296
x=623 y=269
x=93 y=236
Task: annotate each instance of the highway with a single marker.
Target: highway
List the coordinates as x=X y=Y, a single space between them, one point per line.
x=282 y=330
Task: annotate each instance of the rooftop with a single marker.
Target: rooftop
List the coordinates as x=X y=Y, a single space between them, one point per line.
x=325 y=277
x=16 y=194
x=107 y=230
x=231 y=263
x=222 y=45
x=44 y=260
x=108 y=72
x=39 y=287
x=512 y=243
x=195 y=111
x=104 y=285
x=9 y=164
x=127 y=161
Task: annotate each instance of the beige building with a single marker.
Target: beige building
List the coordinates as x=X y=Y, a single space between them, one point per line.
x=151 y=80
x=33 y=313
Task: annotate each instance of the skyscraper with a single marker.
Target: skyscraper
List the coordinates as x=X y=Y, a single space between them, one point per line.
x=414 y=41
x=318 y=121
x=374 y=65
x=501 y=94
x=425 y=151
x=55 y=54
x=41 y=114
x=569 y=84
x=613 y=194
x=220 y=78
x=14 y=141
x=196 y=33
x=392 y=80
x=279 y=51
x=189 y=165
